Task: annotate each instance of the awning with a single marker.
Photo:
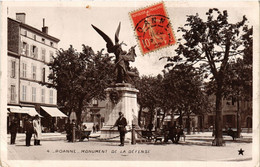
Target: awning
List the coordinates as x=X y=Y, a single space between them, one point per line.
x=54 y=112
x=167 y=118
x=16 y=109
x=23 y=110
x=176 y=116
x=31 y=111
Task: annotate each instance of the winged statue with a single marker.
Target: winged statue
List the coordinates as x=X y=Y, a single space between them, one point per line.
x=122 y=68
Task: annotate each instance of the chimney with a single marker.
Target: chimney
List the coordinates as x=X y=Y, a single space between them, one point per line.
x=44 y=28
x=20 y=17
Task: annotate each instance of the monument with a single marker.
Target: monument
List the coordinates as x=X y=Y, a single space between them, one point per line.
x=122 y=96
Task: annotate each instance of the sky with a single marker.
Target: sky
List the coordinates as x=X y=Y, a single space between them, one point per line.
x=72 y=25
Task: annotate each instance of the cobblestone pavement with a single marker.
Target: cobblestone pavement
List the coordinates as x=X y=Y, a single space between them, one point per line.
x=197 y=147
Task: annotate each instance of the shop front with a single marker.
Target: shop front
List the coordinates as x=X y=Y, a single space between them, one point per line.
x=53 y=119
x=21 y=114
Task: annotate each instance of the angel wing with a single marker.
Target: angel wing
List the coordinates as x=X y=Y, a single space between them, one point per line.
x=110 y=46
x=106 y=38
x=117 y=34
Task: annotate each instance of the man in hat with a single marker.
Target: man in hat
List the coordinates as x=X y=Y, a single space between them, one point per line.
x=28 y=131
x=121 y=124
x=13 y=130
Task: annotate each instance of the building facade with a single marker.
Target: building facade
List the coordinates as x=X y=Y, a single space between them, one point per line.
x=94 y=113
x=29 y=52
x=230 y=114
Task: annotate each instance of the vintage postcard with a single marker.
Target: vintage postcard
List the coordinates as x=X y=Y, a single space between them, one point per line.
x=129 y=83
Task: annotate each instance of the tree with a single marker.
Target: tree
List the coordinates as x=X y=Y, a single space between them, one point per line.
x=209 y=46
x=80 y=77
x=185 y=89
x=149 y=94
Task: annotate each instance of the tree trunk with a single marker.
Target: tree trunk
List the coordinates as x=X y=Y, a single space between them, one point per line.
x=78 y=115
x=180 y=119
x=188 y=124
x=151 y=125
x=79 y=112
x=238 y=119
x=202 y=128
x=140 y=116
x=218 y=141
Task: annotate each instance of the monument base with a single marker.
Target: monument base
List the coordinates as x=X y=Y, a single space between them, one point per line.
x=113 y=134
x=121 y=98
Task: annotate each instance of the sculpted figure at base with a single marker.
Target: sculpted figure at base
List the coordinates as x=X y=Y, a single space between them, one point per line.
x=122 y=68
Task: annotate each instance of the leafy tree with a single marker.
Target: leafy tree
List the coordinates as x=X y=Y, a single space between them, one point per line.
x=149 y=94
x=209 y=45
x=184 y=87
x=80 y=77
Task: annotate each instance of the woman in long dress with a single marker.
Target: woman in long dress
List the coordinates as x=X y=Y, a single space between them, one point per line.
x=37 y=130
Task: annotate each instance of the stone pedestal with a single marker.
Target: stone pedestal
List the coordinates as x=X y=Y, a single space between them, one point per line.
x=122 y=97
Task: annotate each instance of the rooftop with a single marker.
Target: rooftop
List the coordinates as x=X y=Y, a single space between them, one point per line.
x=35 y=30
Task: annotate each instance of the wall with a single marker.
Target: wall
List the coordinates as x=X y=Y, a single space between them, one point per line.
x=13 y=36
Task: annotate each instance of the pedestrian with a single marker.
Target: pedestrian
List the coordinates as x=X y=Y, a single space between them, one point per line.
x=28 y=131
x=37 y=130
x=97 y=127
x=94 y=128
x=121 y=124
x=13 y=130
x=68 y=130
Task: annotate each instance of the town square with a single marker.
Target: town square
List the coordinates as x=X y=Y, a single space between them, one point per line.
x=132 y=82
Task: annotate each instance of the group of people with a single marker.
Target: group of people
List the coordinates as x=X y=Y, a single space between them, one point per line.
x=121 y=123
x=32 y=127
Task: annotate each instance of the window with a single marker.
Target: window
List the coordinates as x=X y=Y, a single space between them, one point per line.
x=24 y=93
x=34 y=51
x=24 y=70
x=34 y=37
x=43 y=95
x=12 y=92
x=25 y=33
x=94 y=102
x=43 y=74
x=24 y=50
x=33 y=94
x=51 y=43
x=43 y=40
x=51 y=97
x=51 y=56
x=33 y=72
x=13 y=69
x=43 y=54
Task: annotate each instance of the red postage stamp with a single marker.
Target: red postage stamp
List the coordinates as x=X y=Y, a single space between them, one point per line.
x=153 y=28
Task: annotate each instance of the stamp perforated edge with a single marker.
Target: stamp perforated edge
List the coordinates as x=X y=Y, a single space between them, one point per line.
x=132 y=24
